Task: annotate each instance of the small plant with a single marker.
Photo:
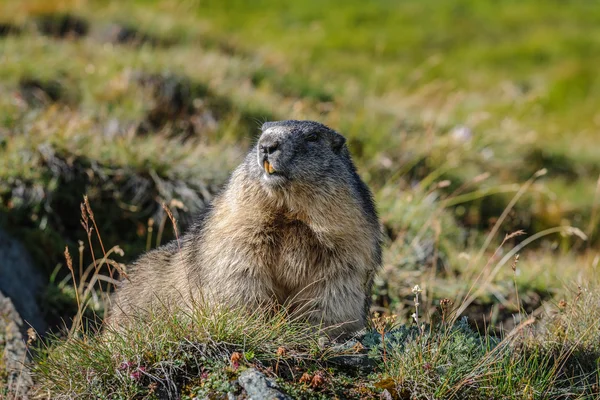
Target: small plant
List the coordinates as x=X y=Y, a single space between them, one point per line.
x=446 y=308
x=382 y=325
x=416 y=291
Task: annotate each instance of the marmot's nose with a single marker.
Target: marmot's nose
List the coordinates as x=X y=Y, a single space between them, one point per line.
x=268 y=146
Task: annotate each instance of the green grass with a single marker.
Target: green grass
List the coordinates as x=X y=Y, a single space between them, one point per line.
x=518 y=74
x=194 y=354
x=449 y=109
x=185 y=352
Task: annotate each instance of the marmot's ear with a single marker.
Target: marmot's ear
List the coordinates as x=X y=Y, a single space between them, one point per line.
x=337 y=142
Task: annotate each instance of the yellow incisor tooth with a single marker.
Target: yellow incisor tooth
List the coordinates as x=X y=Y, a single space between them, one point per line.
x=268 y=167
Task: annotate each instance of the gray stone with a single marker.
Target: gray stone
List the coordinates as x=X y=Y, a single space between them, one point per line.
x=21 y=281
x=348 y=355
x=258 y=387
x=14 y=351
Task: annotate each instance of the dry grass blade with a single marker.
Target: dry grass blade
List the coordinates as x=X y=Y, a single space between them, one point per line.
x=567 y=230
x=78 y=316
x=473 y=261
x=173 y=223
x=90 y=212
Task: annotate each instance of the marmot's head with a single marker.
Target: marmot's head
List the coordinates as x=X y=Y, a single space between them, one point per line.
x=299 y=151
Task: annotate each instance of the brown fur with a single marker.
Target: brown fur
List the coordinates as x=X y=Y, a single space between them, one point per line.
x=312 y=247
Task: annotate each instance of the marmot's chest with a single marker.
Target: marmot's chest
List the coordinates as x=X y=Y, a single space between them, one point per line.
x=296 y=256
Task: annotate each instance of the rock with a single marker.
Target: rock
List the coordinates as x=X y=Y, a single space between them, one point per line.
x=352 y=355
x=359 y=362
x=14 y=352
x=258 y=387
x=21 y=282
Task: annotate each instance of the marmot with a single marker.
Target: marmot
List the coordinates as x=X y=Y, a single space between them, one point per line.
x=295 y=224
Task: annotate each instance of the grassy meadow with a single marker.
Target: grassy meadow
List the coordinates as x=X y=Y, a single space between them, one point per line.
x=475 y=123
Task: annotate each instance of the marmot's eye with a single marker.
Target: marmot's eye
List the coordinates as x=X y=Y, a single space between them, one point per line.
x=313 y=137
